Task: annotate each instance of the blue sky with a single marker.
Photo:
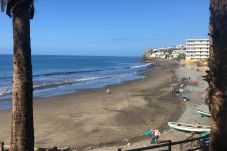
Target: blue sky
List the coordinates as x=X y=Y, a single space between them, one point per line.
x=110 y=27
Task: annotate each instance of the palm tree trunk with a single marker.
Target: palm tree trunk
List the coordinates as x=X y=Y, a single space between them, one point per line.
x=22 y=133
x=217 y=76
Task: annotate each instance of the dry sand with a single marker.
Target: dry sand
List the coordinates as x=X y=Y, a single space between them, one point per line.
x=94 y=118
x=190 y=115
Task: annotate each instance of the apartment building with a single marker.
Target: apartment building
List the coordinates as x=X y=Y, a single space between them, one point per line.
x=197 y=49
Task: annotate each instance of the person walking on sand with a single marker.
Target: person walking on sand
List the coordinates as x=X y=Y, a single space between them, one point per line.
x=107 y=90
x=171 y=89
x=156 y=135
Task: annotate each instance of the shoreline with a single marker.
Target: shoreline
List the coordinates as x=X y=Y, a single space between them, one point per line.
x=86 y=90
x=135 y=77
x=94 y=118
x=52 y=80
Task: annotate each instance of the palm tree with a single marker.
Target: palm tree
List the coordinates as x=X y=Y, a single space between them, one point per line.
x=217 y=76
x=22 y=133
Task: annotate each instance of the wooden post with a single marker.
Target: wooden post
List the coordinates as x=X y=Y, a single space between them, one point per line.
x=192 y=136
x=182 y=147
x=170 y=145
x=1 y=146
x=55 y=149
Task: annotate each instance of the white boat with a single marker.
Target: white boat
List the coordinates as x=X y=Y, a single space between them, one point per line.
x=189 y=127
x=204 y=114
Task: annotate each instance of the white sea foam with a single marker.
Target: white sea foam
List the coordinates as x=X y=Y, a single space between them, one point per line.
x=65 y=82
x=140 y=66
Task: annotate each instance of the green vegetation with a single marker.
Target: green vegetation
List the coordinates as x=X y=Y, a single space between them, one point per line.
x=181 y=56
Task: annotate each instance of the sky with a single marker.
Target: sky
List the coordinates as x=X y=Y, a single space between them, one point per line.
x=109 y=27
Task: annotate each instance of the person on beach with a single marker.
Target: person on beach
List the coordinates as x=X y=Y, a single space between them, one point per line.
x=156 y=135
x=107 y=90
x=171 y=89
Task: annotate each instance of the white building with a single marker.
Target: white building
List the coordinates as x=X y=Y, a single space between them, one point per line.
x=197 y=49
x=180 y=46
x=177 y=52
x=158 y=55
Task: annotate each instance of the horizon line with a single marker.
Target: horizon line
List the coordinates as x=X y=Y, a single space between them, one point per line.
x=79 y=55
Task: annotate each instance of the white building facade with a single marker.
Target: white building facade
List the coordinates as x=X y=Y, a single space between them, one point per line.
x=158 y=55
x=197 y=49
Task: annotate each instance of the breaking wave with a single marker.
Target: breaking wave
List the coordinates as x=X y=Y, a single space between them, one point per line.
x=141 y=66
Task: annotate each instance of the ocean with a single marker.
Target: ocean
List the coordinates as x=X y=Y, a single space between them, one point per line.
x=57 y=75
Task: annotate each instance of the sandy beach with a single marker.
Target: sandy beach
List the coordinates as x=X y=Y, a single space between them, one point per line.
x=94 y=118
x=189 y=115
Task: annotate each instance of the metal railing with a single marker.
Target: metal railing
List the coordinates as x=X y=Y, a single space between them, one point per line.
x=169 y=144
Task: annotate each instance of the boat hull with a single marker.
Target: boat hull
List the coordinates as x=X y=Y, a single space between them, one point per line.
x=204 y=114
x=189 y=127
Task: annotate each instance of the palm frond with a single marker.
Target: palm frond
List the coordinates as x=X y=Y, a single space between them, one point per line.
x=12 y=4
x=3 y=4
x=32 y=9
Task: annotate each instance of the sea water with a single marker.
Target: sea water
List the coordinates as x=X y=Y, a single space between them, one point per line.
x=57 y=75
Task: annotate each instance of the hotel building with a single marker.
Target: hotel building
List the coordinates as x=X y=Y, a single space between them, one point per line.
x=197 y=49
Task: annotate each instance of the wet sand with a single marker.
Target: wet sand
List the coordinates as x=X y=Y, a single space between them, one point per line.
x=94 y=118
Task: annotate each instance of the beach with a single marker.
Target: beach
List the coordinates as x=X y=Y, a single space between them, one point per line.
x=189 y=115
x=92 y=118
